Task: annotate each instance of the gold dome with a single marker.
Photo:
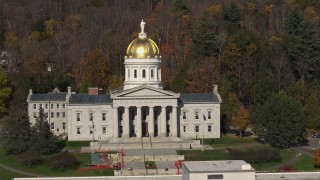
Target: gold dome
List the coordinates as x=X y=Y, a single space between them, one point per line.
x=143 y=47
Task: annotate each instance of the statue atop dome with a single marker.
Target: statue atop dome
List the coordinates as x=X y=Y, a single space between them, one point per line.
x=142 y=24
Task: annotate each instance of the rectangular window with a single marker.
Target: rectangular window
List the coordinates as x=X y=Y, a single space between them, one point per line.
x=135 y=73
x=58 y=114
x=209 y=114
x=51 y=106
x=46 y=106
x=120 y=115
x=90 y=116
x=184 y=128
x=196 y=128
x=197 y=115
x=34 y=106
x=215 y=177
x=52 y=125
x=40 y=106
x=63 y=106
x=104 y=116
x=78 y=116
x=63 y=125
x=155 y=114
x=184 y=115
x=58 y=106
x=34 y=115
x=52 y=114
x=151 y=73
x=143 y=73
x=63 y=114
x=132 y=114
x=78 y=130
x=209 y=128
x=104 y=130
x=91 y=130
x=46 y=114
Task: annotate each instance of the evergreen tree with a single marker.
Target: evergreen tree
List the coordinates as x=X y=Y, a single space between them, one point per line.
x=16 y=132
x=312 y=109
x=203 y=35
x=232 y=16
x=43 y=140
x=301 y=44
x=180 y=6
x=281 y=120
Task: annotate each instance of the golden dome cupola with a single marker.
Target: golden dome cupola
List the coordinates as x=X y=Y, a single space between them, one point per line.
x=142 y=47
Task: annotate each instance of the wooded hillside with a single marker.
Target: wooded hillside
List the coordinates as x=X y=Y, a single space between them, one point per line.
x=250 y=48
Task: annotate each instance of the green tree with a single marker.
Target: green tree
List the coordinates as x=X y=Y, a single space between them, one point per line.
x=180 y=6
x=301 y=44
x=232 y=16
x=312 y=109
x=5 y=91
x=16 y=132
x=281 y=120
x=43 y=140
x=203 y=35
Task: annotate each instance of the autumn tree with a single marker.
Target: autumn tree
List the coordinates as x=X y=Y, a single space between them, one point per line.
x=95 y=70
x=5 y=91
x=240 y=121
x=317 y=159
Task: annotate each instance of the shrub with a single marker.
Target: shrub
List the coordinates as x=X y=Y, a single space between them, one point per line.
x=30 y=158
x=63 y=160
x=257 y=155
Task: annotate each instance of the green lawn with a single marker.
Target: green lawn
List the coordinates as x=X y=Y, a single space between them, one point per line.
x=208 y=155
x=8 y=175
x=230 y=140
x=75 y=145
x=13 y=162
x=304 y=163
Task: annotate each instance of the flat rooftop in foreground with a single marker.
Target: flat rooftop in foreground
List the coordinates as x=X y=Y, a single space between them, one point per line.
x=288 y=176
x=217 y=166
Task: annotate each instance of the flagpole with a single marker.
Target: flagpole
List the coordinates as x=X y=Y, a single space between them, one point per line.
x=203 y=131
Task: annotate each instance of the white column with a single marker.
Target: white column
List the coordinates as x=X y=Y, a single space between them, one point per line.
x=163 y=126
x=151 y=122
x=126 y=129
x=174 y=122
x=139 y=122
x=115 y=122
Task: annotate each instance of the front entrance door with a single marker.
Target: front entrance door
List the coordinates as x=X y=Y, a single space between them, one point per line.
x=144 y=129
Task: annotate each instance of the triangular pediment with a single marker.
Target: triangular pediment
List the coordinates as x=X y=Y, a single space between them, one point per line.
x=145 y=92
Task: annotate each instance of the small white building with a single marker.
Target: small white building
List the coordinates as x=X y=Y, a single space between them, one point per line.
x=217 y=170
x=140 y=108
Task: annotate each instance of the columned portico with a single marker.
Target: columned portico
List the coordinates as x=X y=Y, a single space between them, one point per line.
x=151 y=121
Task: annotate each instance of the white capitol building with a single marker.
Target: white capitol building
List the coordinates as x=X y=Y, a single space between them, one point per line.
x=139 y=109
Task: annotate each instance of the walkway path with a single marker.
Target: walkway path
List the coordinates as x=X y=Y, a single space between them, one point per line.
x=18 y=171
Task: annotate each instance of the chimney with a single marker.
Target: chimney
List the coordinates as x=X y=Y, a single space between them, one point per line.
x=29 y=95
x=215 y=89
x=93 y=91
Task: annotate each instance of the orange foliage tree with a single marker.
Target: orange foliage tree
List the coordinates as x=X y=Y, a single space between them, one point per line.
x=241 y=120
x=317 y=159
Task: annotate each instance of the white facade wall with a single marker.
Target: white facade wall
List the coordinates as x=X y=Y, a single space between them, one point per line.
x=226 y=175
x=190 y=124
x=86 y=125
x=57 y=114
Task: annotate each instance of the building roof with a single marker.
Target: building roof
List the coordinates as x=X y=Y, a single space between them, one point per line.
x=82 y=98
x=198 y=97
x=49 y=97
x=217 y=166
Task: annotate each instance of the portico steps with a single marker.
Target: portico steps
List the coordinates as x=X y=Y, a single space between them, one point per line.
x=117 y=144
